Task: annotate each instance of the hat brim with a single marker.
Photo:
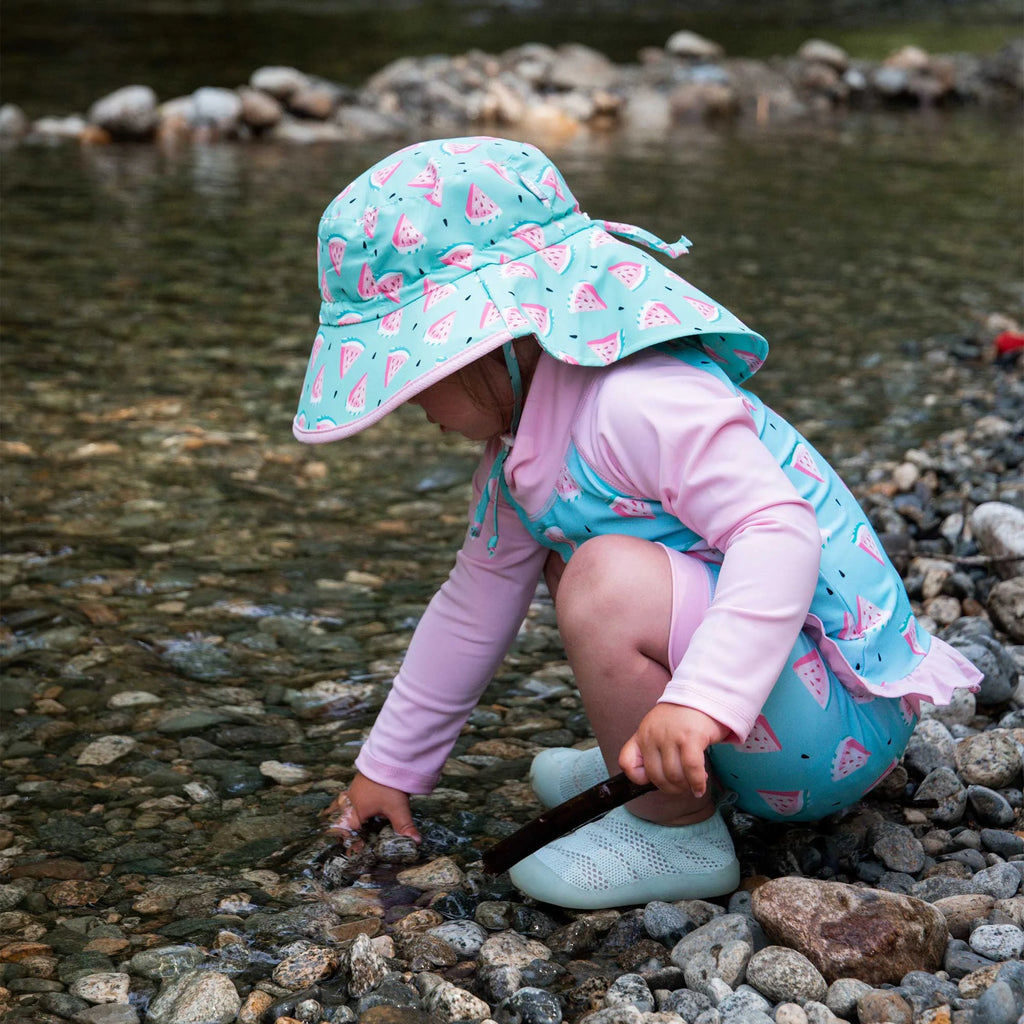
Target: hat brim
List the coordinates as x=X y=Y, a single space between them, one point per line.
x=590 y=299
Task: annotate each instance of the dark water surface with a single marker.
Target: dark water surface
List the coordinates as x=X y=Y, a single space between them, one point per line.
x=163 y=534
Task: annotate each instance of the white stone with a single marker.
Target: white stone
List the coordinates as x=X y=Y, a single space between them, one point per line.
x=688 y=44
x=103 y=987
x=107 y=749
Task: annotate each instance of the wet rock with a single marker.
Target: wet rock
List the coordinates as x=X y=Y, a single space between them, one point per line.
x=196 y=997
x=366 y=967
x=305 y=967
x=442 y=873
x=165 y=961
x=510 y=949
x=127 y=112
x=844 y=931
x=102 y=988
x=820 y=52
x=530 y=1006
x=13 y=122
x=219 y=110
x=451 y=1003
x=107 y=750
x=465 y=937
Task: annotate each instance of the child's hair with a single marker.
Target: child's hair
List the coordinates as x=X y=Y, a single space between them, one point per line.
x=479 y=384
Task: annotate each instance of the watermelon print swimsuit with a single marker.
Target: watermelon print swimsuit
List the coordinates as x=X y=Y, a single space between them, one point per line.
x=663 y=446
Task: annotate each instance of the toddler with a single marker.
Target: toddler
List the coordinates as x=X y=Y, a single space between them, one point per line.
x=721 y=597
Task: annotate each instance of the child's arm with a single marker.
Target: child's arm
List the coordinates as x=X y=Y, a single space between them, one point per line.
x=675 y=433
x=464 y=633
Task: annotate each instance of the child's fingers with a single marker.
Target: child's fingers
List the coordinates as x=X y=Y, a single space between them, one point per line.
x=345 y=816
x=631 y=761
x=695 y=771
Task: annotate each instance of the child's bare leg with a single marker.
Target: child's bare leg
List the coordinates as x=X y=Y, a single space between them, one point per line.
x=614 y=607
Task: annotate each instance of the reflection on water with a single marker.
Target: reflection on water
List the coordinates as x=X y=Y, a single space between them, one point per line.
x=178 y=572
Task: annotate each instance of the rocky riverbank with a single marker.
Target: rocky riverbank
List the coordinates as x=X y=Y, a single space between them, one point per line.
x=538 y=89
x=160 y=857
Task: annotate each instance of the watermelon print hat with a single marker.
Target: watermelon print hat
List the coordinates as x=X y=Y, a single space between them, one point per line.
x=448 y=249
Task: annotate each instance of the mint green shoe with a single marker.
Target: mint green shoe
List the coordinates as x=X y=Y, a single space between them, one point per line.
x=561 y=773
x=622 y=860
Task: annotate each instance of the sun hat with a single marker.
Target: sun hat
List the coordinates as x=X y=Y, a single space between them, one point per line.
x=450 y=248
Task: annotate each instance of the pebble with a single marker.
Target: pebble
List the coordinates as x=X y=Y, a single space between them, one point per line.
x=785 y=975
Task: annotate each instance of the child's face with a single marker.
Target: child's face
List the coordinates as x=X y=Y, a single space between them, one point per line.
x=448 y=404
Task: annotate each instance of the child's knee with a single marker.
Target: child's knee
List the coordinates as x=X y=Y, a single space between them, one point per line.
x=607 y=578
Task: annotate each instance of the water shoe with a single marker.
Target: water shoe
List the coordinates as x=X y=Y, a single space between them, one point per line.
x=560 y=773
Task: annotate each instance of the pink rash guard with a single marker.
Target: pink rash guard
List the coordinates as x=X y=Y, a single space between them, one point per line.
x=651 y=426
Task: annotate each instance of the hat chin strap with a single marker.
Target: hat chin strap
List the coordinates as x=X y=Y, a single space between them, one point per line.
x=490 y=491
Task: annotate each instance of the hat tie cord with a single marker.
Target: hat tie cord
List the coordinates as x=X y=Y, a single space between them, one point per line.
x=646 y=238
x=490 y=491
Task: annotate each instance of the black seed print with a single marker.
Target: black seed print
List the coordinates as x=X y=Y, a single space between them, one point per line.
x=444 y=221
x=806 y=757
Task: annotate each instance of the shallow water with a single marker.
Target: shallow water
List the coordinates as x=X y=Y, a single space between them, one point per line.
x=164 y=534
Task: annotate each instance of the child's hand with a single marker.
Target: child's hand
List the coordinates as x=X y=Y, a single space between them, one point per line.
x=365 y=799
x=668 y=749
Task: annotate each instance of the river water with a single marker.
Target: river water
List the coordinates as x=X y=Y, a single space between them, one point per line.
x=174 y=563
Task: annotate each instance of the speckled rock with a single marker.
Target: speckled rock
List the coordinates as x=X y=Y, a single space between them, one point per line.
x=465 y=937
x=998 y=941
x=366 y=967
x=442 y=873
x=785 y=975
x=510 y=949
x=630 y=990
x=305 y=967
x=105 y=987
x=197 y=997
x=989 y=759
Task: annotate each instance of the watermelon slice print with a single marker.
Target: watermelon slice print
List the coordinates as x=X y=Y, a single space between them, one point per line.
x=557 y=257
x=608 y=349
x=864 y=538
x=632 y=275
x=369 y=221
x=869 y=618
x=811 y=671
x=708 y=310
x=458 y=148
x=367 y=284
x=407 y=237
x=531 y=234
x=498 y=170
x=762 y=739
x=440 y=330
x=565 y=485
x=480 y=208
x=427 y=178
x=540 y=315
x=783 y=802
x=583 y=298
x=751 y=360
x=804 y=462
x=316 y=392
x=325 y=423
x=300 y=421
x=907 y=710
x=325 y=292
x=389 y=286
x=435 y=293
x=556 y=534
x=391 y=324
x=551 y=179
x=350 y=352
x=459 y=256
x=850 y=756
x=336 y=252
x=655 y=314
x=356 y=401
x=349 y=318
x=382 y=175
x=631 y=508
x=514 y=319
x=434 y=195
x=712 y=353
x=909 y=633
x=397 y=358
x=489 y=314
x=517 y=269
x=318 y=343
